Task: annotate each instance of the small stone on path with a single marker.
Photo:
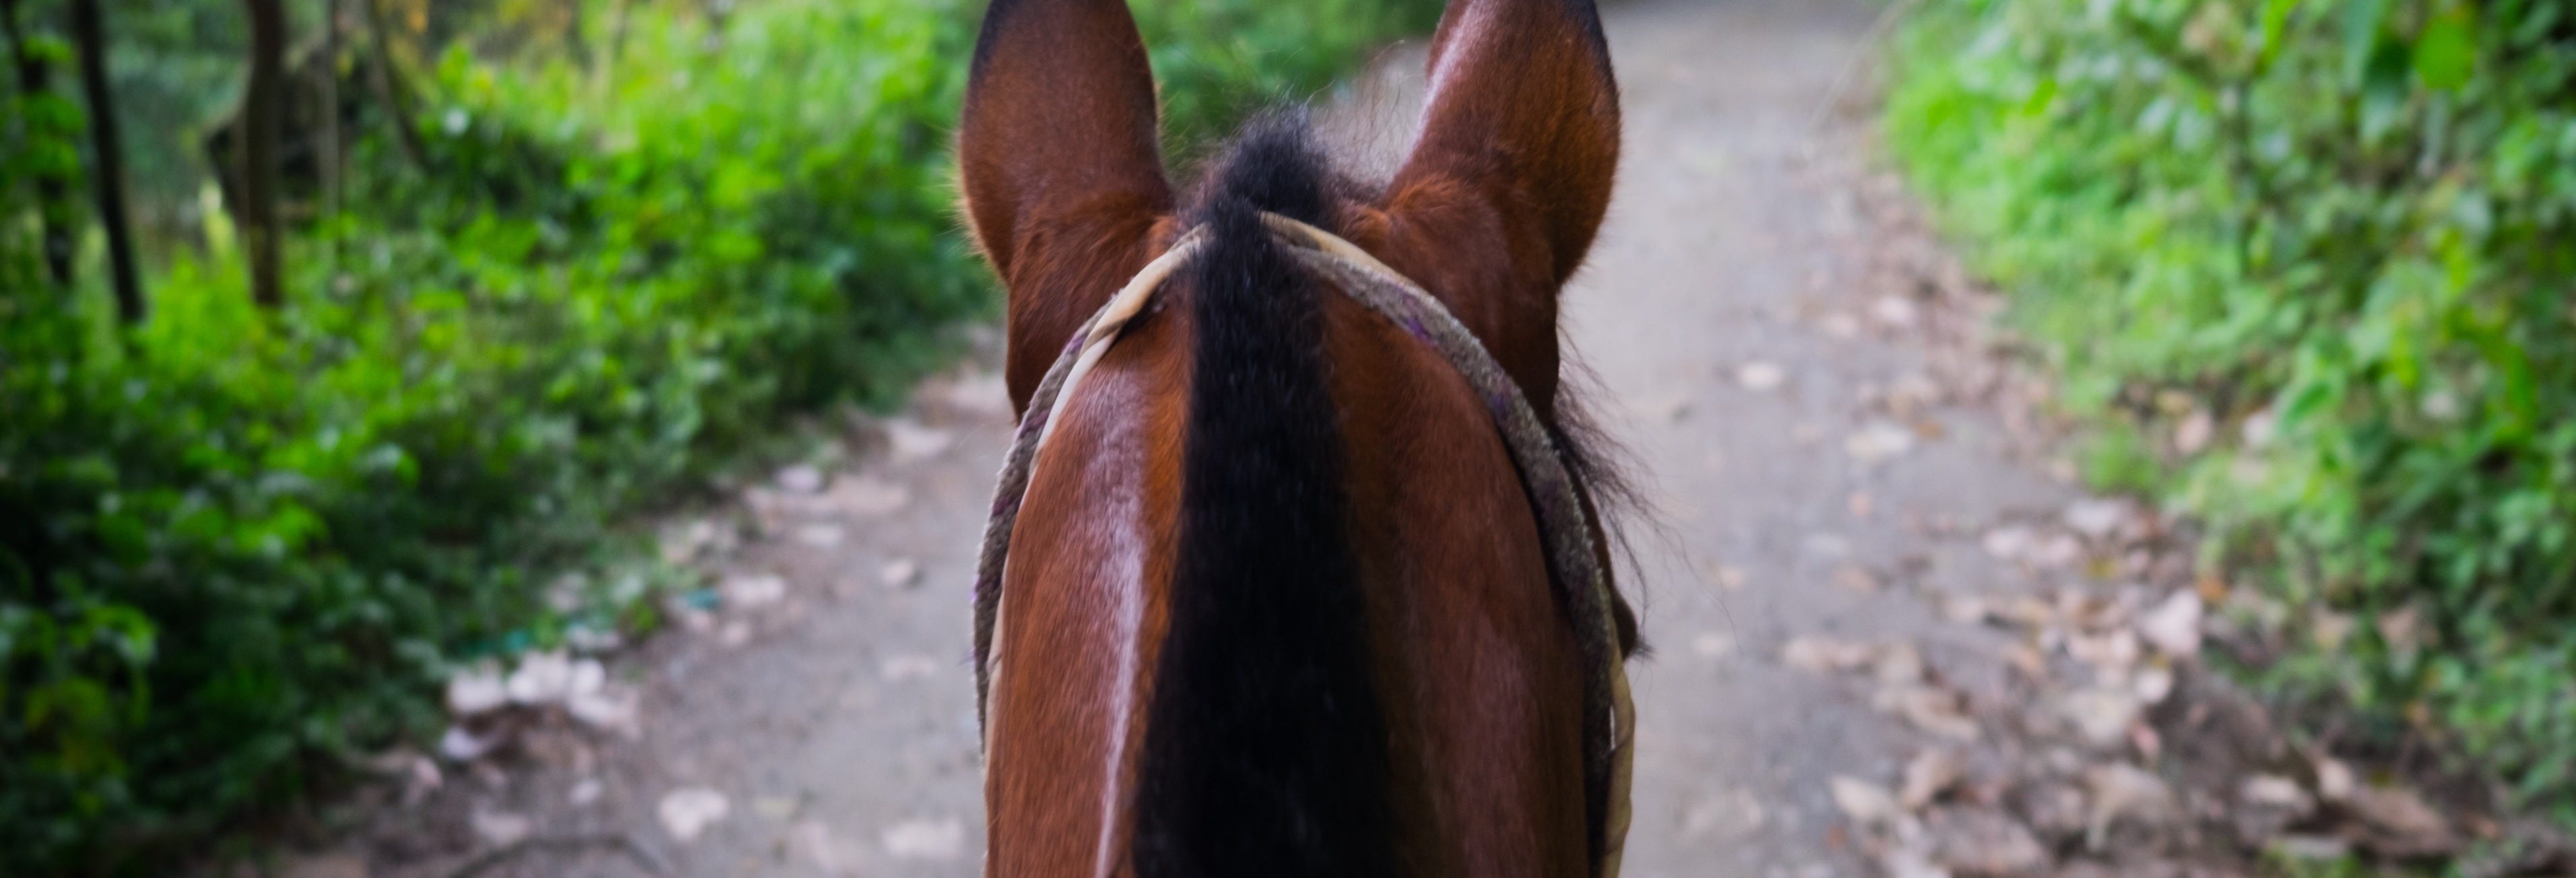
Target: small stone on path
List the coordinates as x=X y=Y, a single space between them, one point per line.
x=800 y=479
x=926 y=840
x=687 y=812
x=900 y=573
x=1761 y=376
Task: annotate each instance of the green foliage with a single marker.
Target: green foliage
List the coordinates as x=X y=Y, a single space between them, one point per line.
x=2346 y=230
x=237 y=547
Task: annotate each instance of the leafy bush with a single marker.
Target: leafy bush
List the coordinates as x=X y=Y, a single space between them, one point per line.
x=237 y=546
x=2345 y=233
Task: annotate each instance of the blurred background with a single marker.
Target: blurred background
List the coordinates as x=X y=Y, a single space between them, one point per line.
x=350 y=349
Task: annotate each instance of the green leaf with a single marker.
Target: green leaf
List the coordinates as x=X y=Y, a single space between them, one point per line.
x=2361 y=26
x=2447 y=53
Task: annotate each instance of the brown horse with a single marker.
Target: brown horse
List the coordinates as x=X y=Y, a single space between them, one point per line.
x=1277 y=600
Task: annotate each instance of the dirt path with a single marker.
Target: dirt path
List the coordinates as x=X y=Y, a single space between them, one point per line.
x=1817 y=475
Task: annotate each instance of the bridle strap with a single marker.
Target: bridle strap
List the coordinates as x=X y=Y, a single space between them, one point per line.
x=1572 y=545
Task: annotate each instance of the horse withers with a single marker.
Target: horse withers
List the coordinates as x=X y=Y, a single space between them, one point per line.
x=1296 y=567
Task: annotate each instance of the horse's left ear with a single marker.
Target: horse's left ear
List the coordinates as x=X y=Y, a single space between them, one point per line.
x=1057 y=157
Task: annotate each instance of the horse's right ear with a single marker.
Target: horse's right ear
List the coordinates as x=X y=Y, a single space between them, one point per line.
x=1057 y=157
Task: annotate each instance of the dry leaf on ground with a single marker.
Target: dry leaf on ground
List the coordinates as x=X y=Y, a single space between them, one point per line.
x=1928 y=775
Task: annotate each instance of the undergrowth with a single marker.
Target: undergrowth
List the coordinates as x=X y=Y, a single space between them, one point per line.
x=2339 y=239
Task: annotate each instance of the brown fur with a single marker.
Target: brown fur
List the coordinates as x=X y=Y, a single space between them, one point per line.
x=1480 y=673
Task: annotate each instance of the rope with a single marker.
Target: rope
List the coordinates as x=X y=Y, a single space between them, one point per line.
x=1574 y=560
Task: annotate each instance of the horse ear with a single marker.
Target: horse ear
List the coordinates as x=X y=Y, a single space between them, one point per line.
x=1523 y=113
x=1057 y=157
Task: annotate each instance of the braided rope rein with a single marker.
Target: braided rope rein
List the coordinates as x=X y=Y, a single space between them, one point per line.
x=1582 y=586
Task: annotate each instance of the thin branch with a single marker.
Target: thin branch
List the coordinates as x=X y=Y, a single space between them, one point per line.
x=389 y=87
x=108 y=178
x=258 y=210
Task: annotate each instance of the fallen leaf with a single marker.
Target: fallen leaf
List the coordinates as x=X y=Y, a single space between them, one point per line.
x=1927 y=776
x=906 y=667
x=2008 y=543
x=2102 y=715
x=2276 y=792
x=800 y=479
x=1730 y=814
x=1824 y=654
x=2114 y=652
x=1725 y=576
x=2310 y=848
x=689 y=811
x=1982 y=841
x=2173 y=627
x=1852 y=578
x=2146 y=740
x=1712 y=645
x=1898 y=664
x=2121 y=791
x=542 y=678
x=1664 y=409
x=752 y=591
x=925 y=840
x=2022 y=657
x=1895 y=312
x=815 y=844
x=1761 y=376
x=2153 y=684
x=868 y=496
x=1878 y=441
x=2053 y=808
x=2329 y=629
x=459 y=745
x=899 y=573
x=681 y=544
x=2406 y=826
x=983 y=393
x=2194 y=432
x=1912 y=861
x=2335 y=782
x=500 y=828
x=907 y=440
x=607 y=708
x=2055 y=552
x=476 y=691
x=2096 y=517
x=1866 y=804
x=1930 y=708
x=2258 y=428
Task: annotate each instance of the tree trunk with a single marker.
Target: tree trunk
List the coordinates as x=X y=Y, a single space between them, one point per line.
x=53 y=192
x=329 y=161
x=389 y=87
x=89 y=32
x=258 y=210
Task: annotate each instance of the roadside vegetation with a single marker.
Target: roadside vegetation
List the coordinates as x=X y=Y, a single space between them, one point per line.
x=2308 y=271
x=283 y=446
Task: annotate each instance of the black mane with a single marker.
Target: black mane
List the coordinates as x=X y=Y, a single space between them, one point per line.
x=1265 y=750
